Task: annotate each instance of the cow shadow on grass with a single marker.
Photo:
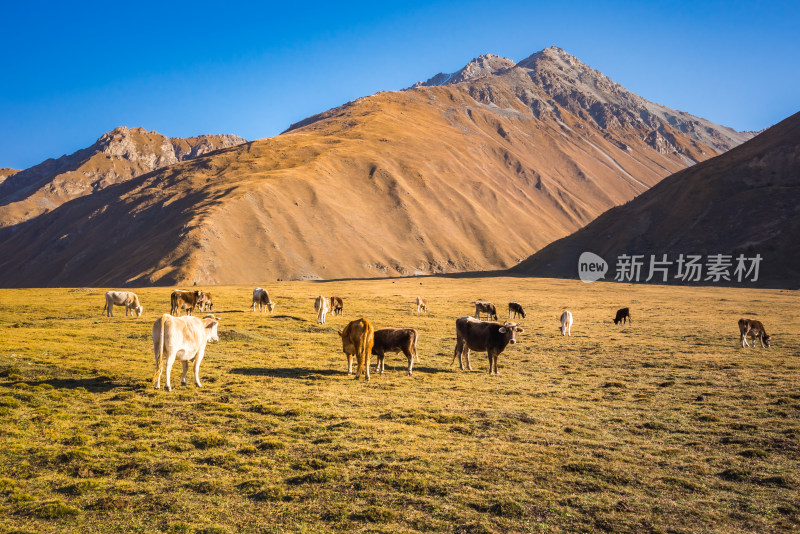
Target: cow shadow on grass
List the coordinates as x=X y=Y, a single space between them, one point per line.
x=285 y=372
x=101 y=384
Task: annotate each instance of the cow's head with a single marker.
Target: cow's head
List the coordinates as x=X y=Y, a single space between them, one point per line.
x=139 y=310
x=210 y=322
x=767 y=340
x=270 y=306
x=511 y=330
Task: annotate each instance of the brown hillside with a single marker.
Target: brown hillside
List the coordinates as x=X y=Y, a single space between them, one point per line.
x=6 y=172
x=117 y=156
x=746 y=201
x=465 y=176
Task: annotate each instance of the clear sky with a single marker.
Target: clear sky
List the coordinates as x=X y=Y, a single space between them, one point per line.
x=74 y=70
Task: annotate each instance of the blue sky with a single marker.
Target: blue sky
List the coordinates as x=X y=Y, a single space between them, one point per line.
x=72 y=73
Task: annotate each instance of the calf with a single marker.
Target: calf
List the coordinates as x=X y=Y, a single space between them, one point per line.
x=185 y=300
x=337 y=305
x=357 y=340
x=395 y=340
x=183 y=339
x=123 y=298
x=516 y=309
x=321 y=307
x=422 y=305
x=487 y=308
x=566 y=323
x=261 y=297
x=754 y=329
x=480 y=336
x=622 y=315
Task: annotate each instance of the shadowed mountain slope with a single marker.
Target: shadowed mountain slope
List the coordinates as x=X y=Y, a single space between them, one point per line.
x=746 y=201
x=441 y=178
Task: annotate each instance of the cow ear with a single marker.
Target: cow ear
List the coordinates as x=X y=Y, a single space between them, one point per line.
x=520 y=331
x=340 y=332
x=502 y=330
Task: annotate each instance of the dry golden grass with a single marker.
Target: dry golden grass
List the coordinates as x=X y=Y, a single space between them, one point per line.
x=601 y=431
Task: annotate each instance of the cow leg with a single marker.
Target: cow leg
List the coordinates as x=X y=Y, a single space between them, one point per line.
x=410 y=357
x=457 y=354
x=197 y=360
x=466 y=353
x=349 y=364
x=185 y=365
x=744 y=340
x=366 y=364
x=170 y=363
x=381 y=357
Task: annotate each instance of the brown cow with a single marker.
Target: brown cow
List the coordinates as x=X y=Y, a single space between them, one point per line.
x=261 y=297
x=337 y=305
x=480 y=336
x=357 y=340
x=422 y=305
x=516 y=309
x=622 y=314
x=185 y=300
x=395 y=340
x=487 y=308
x=754 y=329
x=207 y=304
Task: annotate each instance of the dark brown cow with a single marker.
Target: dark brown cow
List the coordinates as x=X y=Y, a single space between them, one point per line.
x=754 y=329
x=395 y=340
x=185 y=300
x=357 y=340
x=622 y=315
x=337 y=306
x=516 y=309
x=481 y=336
x=487 y=308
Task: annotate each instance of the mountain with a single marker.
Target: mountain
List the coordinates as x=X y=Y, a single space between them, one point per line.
x=5 y=173
x=744 y=202
x=115 y=157
x=478 y=172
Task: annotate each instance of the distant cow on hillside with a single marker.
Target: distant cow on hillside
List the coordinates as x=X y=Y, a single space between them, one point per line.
x=123 y=298
x=516 y=309
x=422 y=305
x=185 y=300
x=395 y=340
x=321 y=307
x=492 y=338
x=337 y=305
x=261 y=298
x=622 y=315
x=358 y=338
x=485 y=307
x=754 y=329
x=566 y=323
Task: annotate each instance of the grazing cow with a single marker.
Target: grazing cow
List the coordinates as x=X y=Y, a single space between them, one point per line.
x=123 y=298
x=357 y=340
x=395 y=340
x=261 y=297
x=516 y=309
x=754 y=329
x=622 y=314
x=566 y=323
x=207 y=304
x=337 y=305
x=422 y=304
x=487 y=308
x=183 y=339
x=492 y=338
x=185 y=300
x=321 y=307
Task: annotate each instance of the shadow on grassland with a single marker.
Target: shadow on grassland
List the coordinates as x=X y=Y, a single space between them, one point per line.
x=100 y=384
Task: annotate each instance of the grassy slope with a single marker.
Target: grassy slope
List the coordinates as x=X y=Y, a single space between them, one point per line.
x=600 y=431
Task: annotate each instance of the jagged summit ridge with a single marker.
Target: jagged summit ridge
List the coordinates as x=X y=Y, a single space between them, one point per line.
x=480 y=66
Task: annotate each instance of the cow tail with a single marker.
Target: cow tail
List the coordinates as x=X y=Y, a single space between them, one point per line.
x=366 y=347
x=160 y=353
x=414 y=346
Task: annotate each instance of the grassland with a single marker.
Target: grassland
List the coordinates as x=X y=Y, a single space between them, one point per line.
x=663 y=426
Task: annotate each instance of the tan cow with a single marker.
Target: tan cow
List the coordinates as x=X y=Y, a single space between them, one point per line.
x=422 y=304
x=321 y=307
x=337 y=305
x=123 y=298
x=261 y=297
x=183 y=339
x=207 y=304
x=357 y=340
x=185 y=300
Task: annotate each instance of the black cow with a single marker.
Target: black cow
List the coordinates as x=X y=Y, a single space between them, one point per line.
x=395 y=340
x=622 y=314
x=481 y=336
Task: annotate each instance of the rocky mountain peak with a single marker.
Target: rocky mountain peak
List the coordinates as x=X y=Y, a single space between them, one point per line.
x=482 y=65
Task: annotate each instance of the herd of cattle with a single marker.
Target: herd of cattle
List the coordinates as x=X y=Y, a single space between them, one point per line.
x=184 y=338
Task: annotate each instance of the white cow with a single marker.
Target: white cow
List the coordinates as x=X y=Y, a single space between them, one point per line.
x=123 y=298
x=261 y=297
x=566 y=323
x=183 y=339
x=321 y=307
x=422 y=304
